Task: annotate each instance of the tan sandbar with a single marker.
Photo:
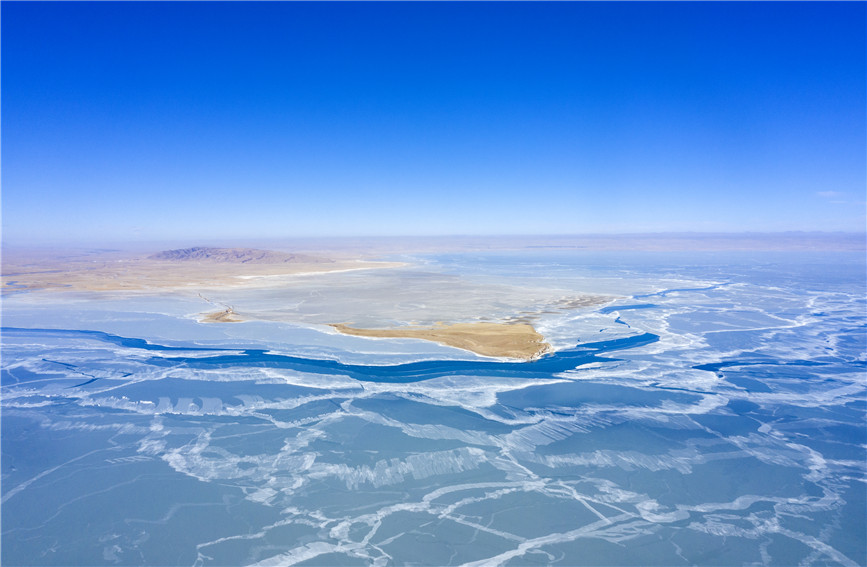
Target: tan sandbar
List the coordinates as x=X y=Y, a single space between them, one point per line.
x=225 y=316
x=488 y=339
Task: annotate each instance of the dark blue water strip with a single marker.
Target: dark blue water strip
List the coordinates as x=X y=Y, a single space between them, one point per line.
x=613 y=308
x=665 y=292
x=544 y=367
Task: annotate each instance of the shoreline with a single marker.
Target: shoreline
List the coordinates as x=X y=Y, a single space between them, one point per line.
x=156 y=276
x=379 y=265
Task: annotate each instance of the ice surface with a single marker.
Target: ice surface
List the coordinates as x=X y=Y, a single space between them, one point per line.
x=712 y=411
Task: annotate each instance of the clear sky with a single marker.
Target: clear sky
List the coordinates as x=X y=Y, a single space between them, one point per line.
x=205 y=120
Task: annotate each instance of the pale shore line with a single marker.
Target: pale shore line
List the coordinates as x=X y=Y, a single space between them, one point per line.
x=375 y=266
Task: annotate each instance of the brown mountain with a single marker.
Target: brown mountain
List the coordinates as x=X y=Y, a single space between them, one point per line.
x=235 y=256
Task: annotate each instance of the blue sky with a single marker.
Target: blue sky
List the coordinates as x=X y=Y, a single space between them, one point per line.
x=142 y=121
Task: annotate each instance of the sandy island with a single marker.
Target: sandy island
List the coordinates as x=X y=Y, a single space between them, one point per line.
x=488 y=339
x=190 y=269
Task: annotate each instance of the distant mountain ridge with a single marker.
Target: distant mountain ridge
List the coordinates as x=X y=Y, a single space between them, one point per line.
x=235 y=256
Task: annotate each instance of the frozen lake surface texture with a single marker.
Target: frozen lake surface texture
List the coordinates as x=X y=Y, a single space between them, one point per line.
x=710 y=412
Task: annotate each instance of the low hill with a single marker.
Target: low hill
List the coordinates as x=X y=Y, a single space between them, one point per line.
x=235 y=256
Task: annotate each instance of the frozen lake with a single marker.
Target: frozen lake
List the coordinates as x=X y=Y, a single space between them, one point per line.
x=710 y=412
